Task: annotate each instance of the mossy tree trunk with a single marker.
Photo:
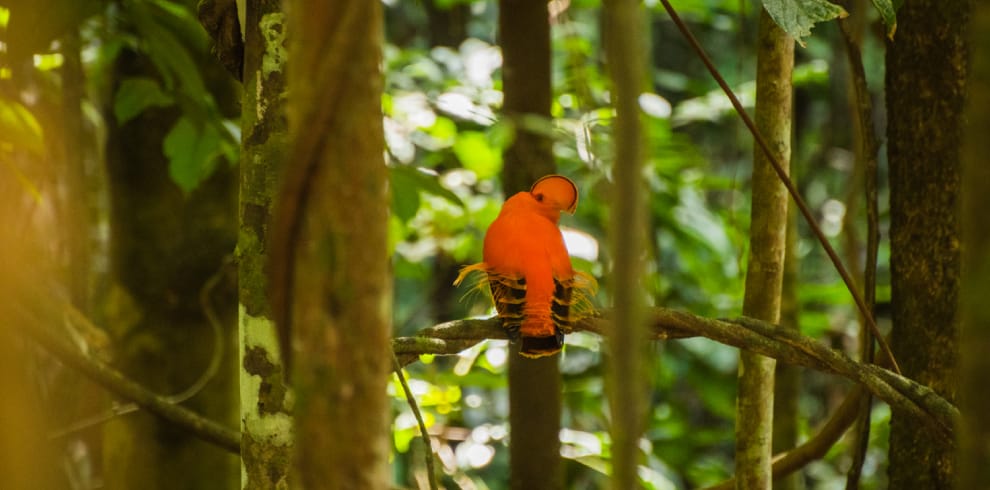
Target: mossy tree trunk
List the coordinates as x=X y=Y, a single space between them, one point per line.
x=335 y=206
x=534 y=384
x=974 y=363
x=164 y=247
x=767 y=241
x=266 y=421
x=926 y=74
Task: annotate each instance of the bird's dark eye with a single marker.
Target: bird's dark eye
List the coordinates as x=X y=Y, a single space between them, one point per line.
x=539 y=197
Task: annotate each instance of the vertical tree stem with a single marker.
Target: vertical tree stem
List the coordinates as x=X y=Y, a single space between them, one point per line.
x=534 y=384
x=266 y=422
x=926 y=96
x=754 y=407
x=341 y=293
x=866 y=159
x=627 y=372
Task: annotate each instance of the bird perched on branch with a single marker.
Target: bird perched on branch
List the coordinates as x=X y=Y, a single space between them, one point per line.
x=537 y=294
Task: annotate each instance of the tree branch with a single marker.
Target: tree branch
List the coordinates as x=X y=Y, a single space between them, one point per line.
x=455 y=336
x=745 y=333
x=791 y=188
x=122 y=386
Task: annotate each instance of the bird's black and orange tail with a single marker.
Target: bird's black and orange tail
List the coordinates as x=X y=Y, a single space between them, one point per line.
x=570 y=303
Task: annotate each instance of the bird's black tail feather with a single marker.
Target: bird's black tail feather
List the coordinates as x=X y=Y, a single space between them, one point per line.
x=534 y=347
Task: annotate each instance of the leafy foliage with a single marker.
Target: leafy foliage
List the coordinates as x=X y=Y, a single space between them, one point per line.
x=445 y=141
x=440 y=108
x=797 y=17
x=137 y=94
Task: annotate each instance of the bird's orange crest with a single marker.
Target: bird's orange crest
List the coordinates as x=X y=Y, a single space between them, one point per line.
x=557 y=190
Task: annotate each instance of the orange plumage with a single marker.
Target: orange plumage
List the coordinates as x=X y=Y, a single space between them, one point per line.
x=536 y=292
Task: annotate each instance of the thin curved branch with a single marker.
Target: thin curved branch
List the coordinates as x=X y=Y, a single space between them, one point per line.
x=745 y=333
x=866 y=164
x=122 y=386
x=216 y=327
x=411 y=399
x=791 y=188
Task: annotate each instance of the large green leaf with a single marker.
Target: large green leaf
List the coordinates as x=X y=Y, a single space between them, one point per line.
x=405 y=196
x=192 y=149
x=137 y=94
x=797 y=17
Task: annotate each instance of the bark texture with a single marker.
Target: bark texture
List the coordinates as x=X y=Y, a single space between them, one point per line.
x=266 y=422
x=534 y=384
x=767 y=242
x=926 y=74
x=974 y=398
x=340 y=295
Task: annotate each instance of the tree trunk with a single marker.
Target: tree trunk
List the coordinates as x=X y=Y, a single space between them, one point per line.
x=974 y=363
x=926 y=73
x=754 y=405
x=627 y=374
x=164 y=246
x=335 y=208
x=534 y=384
x=266 y=421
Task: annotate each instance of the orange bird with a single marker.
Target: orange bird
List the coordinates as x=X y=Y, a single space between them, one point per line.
x=536 y=292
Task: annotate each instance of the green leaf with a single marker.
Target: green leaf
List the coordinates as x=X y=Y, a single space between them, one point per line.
x=889 y=14
x=167 y=52
x=405 y=197
x=192 y=149
x=137 y=94
x=797 y=17
x=407 y=182
x=477 y=154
